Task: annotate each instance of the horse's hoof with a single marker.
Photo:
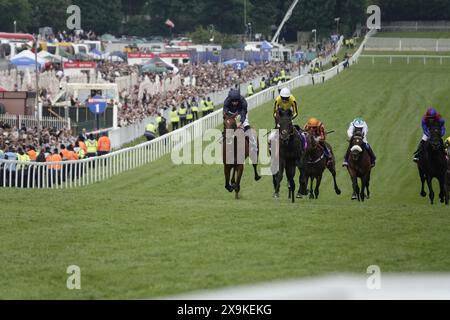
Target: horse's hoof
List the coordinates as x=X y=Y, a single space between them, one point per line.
x=423 y=194
x=276 y=195
x=354 y=197
x=257 y=178
x=299 y=196
x=229 y=188
x=338 y=192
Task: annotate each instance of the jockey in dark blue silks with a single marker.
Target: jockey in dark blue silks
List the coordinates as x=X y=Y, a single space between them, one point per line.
x=235 y=103
x=430 y=118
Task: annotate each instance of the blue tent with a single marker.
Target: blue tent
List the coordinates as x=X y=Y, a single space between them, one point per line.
x=266 y=46
x=237 y=64
x=24 y=62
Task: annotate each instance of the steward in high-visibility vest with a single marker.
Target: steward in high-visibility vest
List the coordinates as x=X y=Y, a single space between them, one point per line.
x=250 y=90
x=150 y=132
x=174 y=119
x=210 y=105
x=283 y=75
x=182 y=113
x=22 y=157
x=194 y=108
x=262 y=84
x=158 y=119
x=72 y=155
x=205 y=107
x=91 y=146
x=104 y=145
x=32 y=153
x=189 y=115
x=54 y=157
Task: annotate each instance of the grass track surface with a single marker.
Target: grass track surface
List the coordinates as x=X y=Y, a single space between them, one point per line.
x=163 y=229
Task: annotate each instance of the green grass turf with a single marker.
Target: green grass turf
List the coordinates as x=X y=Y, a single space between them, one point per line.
x=407 y=53
x=424 y=34
x=164 y=229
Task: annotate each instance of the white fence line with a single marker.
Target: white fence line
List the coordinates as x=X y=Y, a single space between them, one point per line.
x=32 y=121
x=408 y=44
x=72 y=174
x=408 y=58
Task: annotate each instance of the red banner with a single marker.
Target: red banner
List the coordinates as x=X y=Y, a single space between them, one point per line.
x=80 y=65
x=140 y=55
x=174 y=55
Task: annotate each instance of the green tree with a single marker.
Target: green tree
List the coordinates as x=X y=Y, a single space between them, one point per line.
x=49 y=13
x=100 y=16
x=14 y=10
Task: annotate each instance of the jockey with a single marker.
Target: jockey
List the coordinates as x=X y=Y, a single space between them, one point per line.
x=285 y=101
x=430 y=118
x=359 y=126
x=235 y=103
x=317 y=130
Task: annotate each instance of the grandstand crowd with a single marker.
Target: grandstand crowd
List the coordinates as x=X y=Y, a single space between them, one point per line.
x=187 y=98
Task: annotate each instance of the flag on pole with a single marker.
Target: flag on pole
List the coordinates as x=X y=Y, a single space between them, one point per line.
x=170 y=24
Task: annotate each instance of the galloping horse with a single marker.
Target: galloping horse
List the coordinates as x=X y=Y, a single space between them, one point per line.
x=289 y=153
x=433 y=164
x=313 y=167
x=359 y=166
x=235 y=151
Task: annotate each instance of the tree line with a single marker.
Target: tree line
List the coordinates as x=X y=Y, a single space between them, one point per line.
x=147 y=17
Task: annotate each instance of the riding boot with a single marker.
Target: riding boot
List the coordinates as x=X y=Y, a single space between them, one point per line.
x=326 y=153
x=373 y=158
x=418 y=152
x=347 y=154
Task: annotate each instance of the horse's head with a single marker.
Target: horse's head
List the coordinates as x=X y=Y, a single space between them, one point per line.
x=356 y=147
x=286 y=127
x=229 y=121
x=435 y=138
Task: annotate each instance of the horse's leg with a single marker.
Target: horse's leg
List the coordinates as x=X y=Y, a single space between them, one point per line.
x=290 y=172
x=443 y=191
x=237 y=187
x=255 y=169
x=363 y=187
x=233 y=177
x=311 y=191
x=355 y=188
x=430 y=189
x=318 y=181
x=300 y=181
x=227 y=170
x=276 y=194
x=254 y=155
x=332 y=169
x=422 y=180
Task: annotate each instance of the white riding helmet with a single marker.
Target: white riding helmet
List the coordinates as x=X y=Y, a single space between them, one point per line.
x=285 y=93
x=359 y=123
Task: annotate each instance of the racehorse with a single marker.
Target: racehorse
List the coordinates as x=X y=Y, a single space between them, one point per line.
x=289 y=153
x=359 y=166
x=433 y=164
x=313 y=166
x=235 y=150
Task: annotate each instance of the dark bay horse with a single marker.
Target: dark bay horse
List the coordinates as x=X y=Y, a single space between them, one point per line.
x=313 y=167
x=234 y=152
x=359 y=166
x=289 y=152
x=433 y=164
